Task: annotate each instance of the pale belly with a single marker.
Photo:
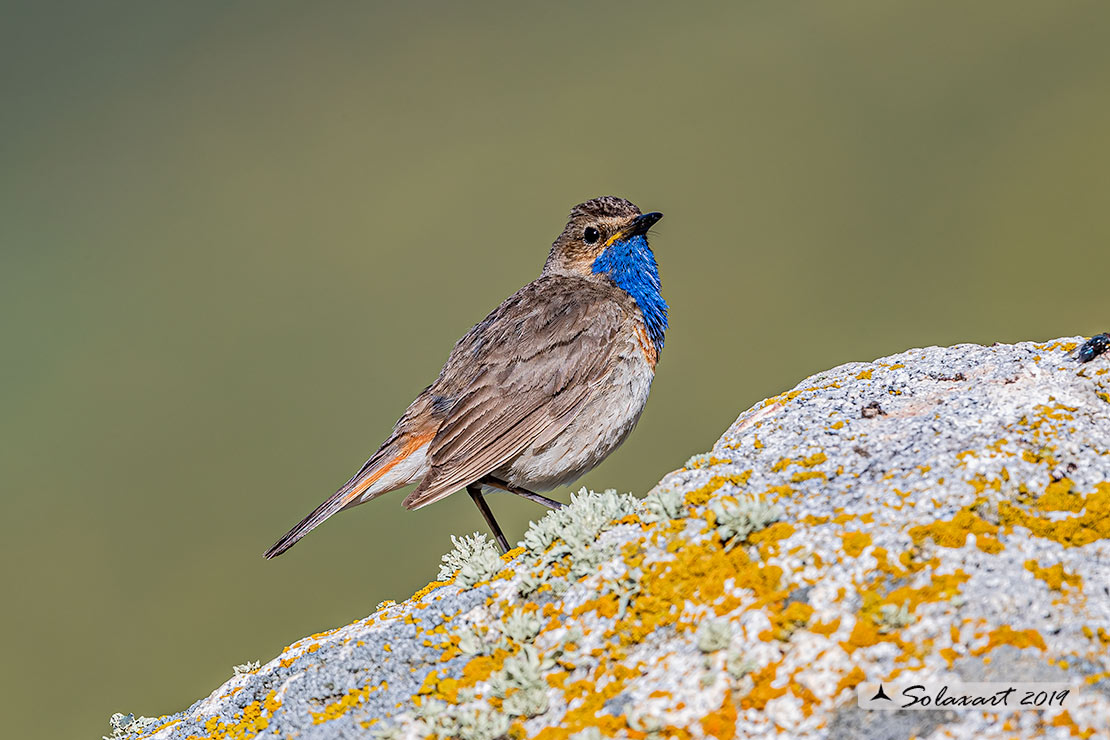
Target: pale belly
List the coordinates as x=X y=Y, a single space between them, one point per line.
x=600 y=426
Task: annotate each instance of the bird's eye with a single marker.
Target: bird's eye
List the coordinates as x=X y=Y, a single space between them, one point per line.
x=591 y=235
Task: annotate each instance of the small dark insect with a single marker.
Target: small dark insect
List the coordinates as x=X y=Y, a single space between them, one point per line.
x=871 y=410
x=1093 y=347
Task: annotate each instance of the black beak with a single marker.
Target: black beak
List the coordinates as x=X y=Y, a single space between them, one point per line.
x=642 y=223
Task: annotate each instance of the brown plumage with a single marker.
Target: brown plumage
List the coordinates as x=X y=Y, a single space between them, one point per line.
x=533 y=396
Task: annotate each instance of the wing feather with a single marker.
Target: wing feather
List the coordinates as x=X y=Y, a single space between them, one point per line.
x=529 y=367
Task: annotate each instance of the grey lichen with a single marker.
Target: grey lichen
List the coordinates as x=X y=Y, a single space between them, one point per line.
x=125 y=724
x=571 y=537
x=472 y=640
x=520 y=626
x=698 y=461
x=647 y=721
x=474 y=559
x=530 y=583
x=249 y=667
x=713 y=635
x=590 y=733
x=587 y=515
x=893 y=617
x=664 y=504
x=475 y=724
x=737 y=665
x=520 y=683
x=736 y=520
x=438 y=718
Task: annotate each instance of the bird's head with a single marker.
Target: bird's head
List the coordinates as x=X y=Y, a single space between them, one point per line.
x=605 y=240
x=597 y=233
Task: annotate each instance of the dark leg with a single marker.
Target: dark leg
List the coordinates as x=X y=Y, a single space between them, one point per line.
x=475 y=491
x=523 y=493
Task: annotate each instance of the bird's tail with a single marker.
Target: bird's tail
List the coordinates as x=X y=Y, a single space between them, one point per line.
x=361 y=487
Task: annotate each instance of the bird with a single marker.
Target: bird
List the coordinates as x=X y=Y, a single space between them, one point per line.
x=540 y=391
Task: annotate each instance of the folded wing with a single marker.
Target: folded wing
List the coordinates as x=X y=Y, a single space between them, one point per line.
x=525 y=371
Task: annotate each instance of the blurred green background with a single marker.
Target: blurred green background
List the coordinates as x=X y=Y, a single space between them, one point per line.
x=236 y=239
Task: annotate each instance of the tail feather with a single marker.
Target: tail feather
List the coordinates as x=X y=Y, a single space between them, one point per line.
x=356 y=490
x=336 y=502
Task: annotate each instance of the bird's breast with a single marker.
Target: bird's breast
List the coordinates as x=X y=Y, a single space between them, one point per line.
x=599 y=426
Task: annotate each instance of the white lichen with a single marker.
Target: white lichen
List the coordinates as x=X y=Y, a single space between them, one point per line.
x=713 y=635
x=738 y=519
x=530 y=583
x=520 y=626
x=571 y=534
x=737 y=665
x=590 y=733
x=478 y=724
x=392 y=732
x=664 y=505
x=698 y=461
x=436 y=717
x=472 y=640
x=521 y=685
x=646 y=721
x=249 y=667
x=124 y=724
x=587 y=515
x=893 y=617
x=475 y=558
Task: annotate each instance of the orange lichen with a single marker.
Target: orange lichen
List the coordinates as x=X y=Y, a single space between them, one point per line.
x=855 y=542
x=953 y=532
x=254 y=718
x=850 y=680
x=721 y=724
x=701 y=496
x=767 y=539
x=429 y=588
x=865 y=634
x=1092 y=525
x=762 y=689
x=344 y=704
x=787 y=621
x=806 y=462
x=825 y=628
x=1064 y=719
x=1008 y=636
x=1055 y=576
x=1060 y=495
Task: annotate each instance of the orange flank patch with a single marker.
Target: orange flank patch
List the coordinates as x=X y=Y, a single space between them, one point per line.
x=647 y=346
x=410 y=447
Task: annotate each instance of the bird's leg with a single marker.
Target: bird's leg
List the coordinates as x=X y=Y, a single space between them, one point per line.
x=475 y=491
x=523 y=493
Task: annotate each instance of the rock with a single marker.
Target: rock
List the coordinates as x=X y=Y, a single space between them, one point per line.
x=939 y=514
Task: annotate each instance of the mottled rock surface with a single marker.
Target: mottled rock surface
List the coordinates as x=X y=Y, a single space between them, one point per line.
x=942 y=513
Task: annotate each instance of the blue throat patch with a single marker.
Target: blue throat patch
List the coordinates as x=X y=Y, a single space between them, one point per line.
x=631 y=265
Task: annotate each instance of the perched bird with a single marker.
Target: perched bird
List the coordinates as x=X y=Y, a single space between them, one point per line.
x=539 y=392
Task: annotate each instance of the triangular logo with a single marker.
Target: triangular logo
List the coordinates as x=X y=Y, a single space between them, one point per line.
x=880 y=694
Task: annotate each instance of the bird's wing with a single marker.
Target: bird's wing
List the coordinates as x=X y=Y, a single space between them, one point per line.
x=528 y=368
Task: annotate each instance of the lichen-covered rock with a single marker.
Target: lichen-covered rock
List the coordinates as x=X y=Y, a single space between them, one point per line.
x=941 y=513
